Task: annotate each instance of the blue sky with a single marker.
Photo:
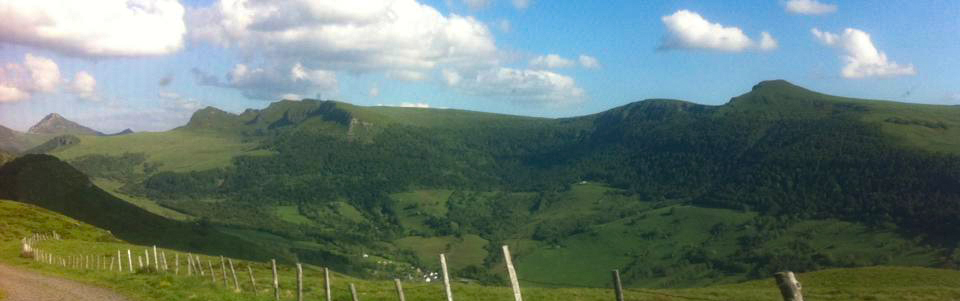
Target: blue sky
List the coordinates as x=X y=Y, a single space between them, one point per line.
x=148 y=64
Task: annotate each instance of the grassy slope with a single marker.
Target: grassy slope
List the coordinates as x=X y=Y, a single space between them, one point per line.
x=113 y=187
x=783 y=98
x=877 y=283
x=176 y=150
x=50 y=183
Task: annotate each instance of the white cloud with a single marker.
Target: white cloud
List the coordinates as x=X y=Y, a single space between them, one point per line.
x=12 y=94
x=862 y=58
x=809 y=7
x=477 y=4
x=44 y=72
x=689 y=30
x=414 y=105
x=276 y=82
x=36 y=75
x=374 y=92
x=767 y=42
x=84 y=86
x=407 y=105
x=451 y=77
x=529 y=87
x=522 y=4
x=356 y=36
x=551 y=61
x=589 y=62
x=104 y=28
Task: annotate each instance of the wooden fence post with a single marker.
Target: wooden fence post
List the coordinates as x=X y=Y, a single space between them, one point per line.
x=399 y=289
x=176 y=268
x=299 y=282
x=213 y=276
x=156 y=259
x=446 y=278
x=223 y=268
x=140 y=261
x=189 y=265
x=326 y=284
x=147 y=256
x=236 y=283
x=617 y=286
x=353 y=292
x=253 y=282
x=513 y=274
x=130 y=260
x=276 y=281
x=163 y=255
x=789 y=286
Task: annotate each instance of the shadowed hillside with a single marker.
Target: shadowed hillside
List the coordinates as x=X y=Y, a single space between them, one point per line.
x=47 y=182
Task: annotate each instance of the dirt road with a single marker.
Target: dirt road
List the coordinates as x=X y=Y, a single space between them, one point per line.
x=23 y=285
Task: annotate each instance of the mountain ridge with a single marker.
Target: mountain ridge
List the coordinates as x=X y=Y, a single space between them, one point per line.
x=56 y=124
x=347 y=178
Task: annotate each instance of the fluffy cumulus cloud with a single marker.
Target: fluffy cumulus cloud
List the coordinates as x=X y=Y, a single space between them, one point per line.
x=689 y=30
x=862 y=58
x=551 y=61
x=809 y=7
x=104 y=28
x=589 y=62
x=358 y=36
x=767 y=42
x=35 y=75
x=84 y=86
x=292 y=82
x=522 y=86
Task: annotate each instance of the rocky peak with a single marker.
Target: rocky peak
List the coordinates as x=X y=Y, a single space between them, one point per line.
x=56 y=124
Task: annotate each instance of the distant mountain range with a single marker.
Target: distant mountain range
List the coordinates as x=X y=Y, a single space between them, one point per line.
x=51 y=126
x=645 y=187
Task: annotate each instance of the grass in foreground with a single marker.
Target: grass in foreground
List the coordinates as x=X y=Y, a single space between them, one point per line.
x=875 y=283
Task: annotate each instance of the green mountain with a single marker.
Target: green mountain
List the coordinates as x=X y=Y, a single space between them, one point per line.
x=13 y=141
x=55 y=124
x=47 y=182
x=671 y=192
x=6 y=157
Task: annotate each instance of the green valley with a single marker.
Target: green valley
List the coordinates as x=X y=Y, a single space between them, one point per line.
x=672 y=193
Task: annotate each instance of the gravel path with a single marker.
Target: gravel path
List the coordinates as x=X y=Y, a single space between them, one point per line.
x=21 y=285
